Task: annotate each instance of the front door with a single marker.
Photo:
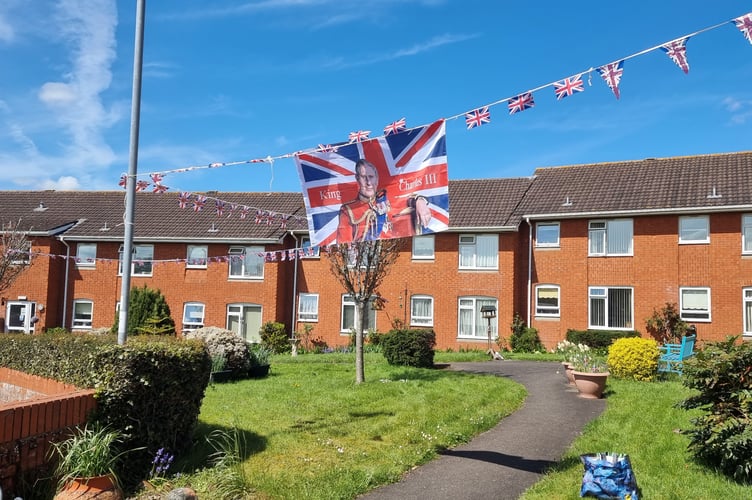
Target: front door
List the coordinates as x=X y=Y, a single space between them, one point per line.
x=245 y=321
x=19 y=316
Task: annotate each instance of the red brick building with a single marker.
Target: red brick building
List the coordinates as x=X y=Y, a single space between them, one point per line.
x=587 y=246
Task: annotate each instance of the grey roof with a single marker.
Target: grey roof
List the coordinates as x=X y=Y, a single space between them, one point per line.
x=678 y=184
x=479 y=203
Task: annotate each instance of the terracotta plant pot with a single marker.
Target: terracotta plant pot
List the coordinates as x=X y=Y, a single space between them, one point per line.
x=100 y=488
x=568 y=372
x=590 y=385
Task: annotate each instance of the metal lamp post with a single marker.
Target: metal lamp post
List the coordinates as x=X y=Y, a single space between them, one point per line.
x=489 y=313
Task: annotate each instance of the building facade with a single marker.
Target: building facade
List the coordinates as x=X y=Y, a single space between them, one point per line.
x=596 y=246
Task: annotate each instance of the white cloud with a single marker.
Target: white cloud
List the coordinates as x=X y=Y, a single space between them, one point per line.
x=64 y=183
x=57 y=94
x=7 y=33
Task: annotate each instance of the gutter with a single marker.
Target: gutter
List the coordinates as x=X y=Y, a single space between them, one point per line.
x=529 y=268
x=66 y=278
x=294 y=288
x=656 y=211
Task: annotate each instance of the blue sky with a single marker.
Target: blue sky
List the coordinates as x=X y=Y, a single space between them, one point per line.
x=229 y=81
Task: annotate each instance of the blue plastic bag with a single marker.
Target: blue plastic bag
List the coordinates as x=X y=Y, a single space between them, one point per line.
x=608 y=475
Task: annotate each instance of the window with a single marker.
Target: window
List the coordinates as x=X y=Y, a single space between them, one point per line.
x=245 y=262
x=547 y=234
x=348 y=314
x=547 y=300
x=198 y=256
x=141 y=264
x=479 y=251
x=308 y=307
x=611 y=308
x=746 y=233
x=83 y=311
x=471 y=322
x=86 y=254
x=694 y=229
x=747 y=304
x=423 y=247
x=193 y=315
x=694 y=304
x=309 y=252
x=421 y=310
x=610 y=237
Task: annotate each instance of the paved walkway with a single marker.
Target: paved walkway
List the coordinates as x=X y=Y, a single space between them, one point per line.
x=503 y=462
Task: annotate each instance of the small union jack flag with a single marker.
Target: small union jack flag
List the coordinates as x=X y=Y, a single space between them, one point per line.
x=158 y=187
x=283 y=221
x=477 y=117
x=359 y=136
x=327 y=148
x=521 y=103
x=282 y=255
x=744 y=23
x=568 y=86
x=395 y=127
x=611 y=74
x=219 y=206
x=141 y=185
x=198 y=203
x=183 y=199
x=244 y=212
x=268 y=218
x=677 y=51
x=123 y=181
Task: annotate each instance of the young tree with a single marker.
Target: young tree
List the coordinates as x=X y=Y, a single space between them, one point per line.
x=149 y=313
x=16 y=254
x=361 y=268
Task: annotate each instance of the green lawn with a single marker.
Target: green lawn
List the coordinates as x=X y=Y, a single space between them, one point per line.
x=313 y=433
x=641 y=421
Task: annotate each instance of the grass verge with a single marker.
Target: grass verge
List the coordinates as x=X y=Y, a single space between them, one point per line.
x=311 y=432
x=641 y=421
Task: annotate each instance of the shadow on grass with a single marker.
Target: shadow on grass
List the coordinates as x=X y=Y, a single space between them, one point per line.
x=494 y=457
x=205 y=444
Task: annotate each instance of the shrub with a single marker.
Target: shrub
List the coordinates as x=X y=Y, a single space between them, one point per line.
x=600 y=340
x=633 y=358
x=224 y=343
x=527 y=341
x=722 y=436
x=274 y=336
x=148 y=313
x=409 y=347
x=666 y=325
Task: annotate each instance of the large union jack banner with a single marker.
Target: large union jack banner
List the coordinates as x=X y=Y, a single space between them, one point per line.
x=394 y=186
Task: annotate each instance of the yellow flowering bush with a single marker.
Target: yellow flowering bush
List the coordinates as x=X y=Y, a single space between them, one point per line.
x=635 y=358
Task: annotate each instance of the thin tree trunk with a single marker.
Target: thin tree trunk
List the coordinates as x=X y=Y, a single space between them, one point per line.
x=360 y=372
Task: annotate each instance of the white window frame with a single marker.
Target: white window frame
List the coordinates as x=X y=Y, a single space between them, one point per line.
x=604 y=293
x=691 y=314
x=747 y=234
x=308 y=313
x=305 y=244
x=542 y=309
x=191 y=317
x=240 y=254
x=417 y=319
x=82 y=323
x=600 y=233
x=479 y=326
x=747 y=311
x=138 y=263
x=196 y=262
x=686 y=230
x=348 y=302
x=468 y=251
x=86 y=259
x=424 y=247
x=547 y=225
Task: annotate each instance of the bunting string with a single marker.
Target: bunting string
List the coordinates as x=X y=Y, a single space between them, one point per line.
x=611 y=74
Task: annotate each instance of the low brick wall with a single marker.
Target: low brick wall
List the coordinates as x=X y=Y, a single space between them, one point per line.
x=48 y=413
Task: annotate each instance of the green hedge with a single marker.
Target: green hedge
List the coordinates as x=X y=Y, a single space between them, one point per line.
x=150 y=389
x=599 y=339
x=409 y=347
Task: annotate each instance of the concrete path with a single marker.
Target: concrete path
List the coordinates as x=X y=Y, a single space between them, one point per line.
x=506 y=460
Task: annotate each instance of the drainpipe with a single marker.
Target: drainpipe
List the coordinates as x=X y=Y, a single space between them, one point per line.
x=529 y=267
x=294 y=286
x=65 y=283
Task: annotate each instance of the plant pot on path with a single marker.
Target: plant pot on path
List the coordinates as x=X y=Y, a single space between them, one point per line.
x=100 y=488
x=568 y=370
x=590 y=385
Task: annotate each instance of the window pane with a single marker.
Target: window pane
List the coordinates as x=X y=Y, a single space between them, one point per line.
x=423 y=246
x=197 y=256
x=308 y=307
x=619 y=237
x=487 y=250
x=421 y=311
x=86 y=254
x=620 y=308
x=547 y=300
x=597 y=312
x=82 y=313
x=142 y=258
x=747 y=316
x=547 y=234
x=467 y=255
x=597 y=241
x=693 y=229
x=748 y=238
x=695 y=299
